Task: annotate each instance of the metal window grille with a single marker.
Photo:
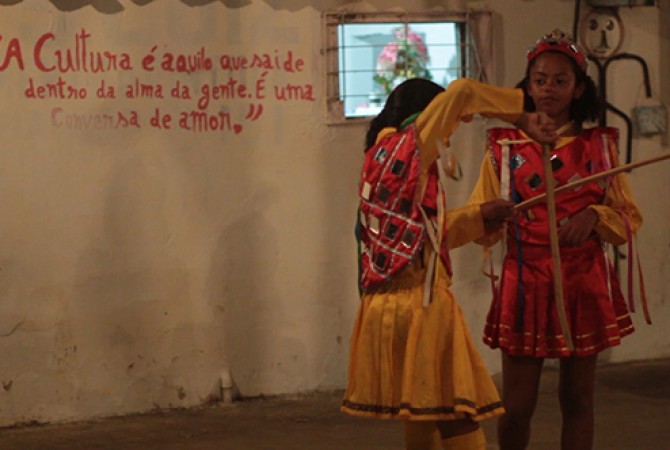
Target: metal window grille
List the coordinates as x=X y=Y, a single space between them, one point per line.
x=355 y=79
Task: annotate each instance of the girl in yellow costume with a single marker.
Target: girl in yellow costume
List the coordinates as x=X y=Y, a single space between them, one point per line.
x=413 y=361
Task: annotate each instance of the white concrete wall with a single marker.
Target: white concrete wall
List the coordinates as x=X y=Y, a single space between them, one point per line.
x=138 y=263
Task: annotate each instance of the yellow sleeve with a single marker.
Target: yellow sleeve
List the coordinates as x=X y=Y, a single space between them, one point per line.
x=619 y=200
x=462 y=99
x=464 y=224
x=385 y=132
x=486 y=189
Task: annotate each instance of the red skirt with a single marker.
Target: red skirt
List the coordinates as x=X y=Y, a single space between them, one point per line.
x=526 y=323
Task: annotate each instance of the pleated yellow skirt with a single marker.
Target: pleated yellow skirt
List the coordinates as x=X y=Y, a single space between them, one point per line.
x=413 y=362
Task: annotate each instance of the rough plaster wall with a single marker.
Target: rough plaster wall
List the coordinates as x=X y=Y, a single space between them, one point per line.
x=138 y=265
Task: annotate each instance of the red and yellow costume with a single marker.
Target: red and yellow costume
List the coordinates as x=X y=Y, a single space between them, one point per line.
x=523 y=318
x=418 y=362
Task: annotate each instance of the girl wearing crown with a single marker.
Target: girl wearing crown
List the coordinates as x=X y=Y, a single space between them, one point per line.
x=523 y=320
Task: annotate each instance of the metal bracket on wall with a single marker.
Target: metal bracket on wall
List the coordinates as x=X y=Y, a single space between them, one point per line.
x=602 y=67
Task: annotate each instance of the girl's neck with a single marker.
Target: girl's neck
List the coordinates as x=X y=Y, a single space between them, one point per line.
x=568 y=128
x=564 y=123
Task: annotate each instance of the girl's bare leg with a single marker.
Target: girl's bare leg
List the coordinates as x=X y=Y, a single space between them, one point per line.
x=521 y=381
x=576 y=395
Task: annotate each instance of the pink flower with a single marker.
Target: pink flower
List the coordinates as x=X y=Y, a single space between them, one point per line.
x=406 y=56
x=412 y=39
x=389 y=52
x=416 y=41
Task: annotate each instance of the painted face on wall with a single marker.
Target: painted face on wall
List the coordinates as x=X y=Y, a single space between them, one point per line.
x=601 y=32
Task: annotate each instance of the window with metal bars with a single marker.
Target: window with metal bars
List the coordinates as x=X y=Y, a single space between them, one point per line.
x=368 y=54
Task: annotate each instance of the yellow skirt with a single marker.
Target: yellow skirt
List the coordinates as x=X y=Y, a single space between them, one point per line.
x=413 y=362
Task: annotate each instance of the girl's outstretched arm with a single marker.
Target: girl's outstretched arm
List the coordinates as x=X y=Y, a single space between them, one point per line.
x=464 y=98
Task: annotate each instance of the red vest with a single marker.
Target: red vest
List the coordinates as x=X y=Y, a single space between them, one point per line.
x=585 y=155
x=392 y=226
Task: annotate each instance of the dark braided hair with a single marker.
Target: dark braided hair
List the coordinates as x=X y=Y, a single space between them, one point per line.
x=410 y=97
x=587 y=107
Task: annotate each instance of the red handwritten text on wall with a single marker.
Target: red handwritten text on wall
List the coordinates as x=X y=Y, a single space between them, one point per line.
x=211 y=91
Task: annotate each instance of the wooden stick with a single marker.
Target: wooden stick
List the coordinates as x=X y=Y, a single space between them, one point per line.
x=597 y=176
x=555 y=249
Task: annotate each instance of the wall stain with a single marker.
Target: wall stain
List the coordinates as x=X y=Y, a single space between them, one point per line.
x=13 y=330
x=181 y=393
